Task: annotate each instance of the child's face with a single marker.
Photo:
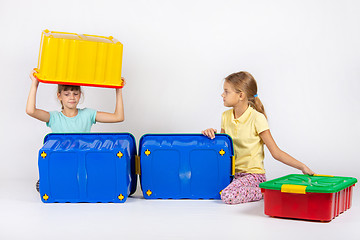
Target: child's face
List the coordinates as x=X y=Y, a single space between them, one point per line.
x=69 y=99
x=230 y=97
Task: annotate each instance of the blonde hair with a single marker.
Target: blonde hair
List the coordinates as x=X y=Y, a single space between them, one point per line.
x=245 y=82
x=66 y=88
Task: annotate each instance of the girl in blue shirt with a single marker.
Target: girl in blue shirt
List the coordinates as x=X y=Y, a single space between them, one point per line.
x=71 y=119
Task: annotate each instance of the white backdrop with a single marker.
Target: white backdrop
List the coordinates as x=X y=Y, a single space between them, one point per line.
x=304 y=55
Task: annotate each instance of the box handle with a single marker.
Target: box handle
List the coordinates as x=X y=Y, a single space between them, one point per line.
x=233 y=165
x=289 y=188
x=322 y=175
x=137 y=165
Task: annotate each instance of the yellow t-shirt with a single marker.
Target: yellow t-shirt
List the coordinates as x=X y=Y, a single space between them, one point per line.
x=248 y=146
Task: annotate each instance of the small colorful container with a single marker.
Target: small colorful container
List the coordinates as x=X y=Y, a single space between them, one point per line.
x=318 y=197
x=74 y=59
x=177 y=166
x=89 y=167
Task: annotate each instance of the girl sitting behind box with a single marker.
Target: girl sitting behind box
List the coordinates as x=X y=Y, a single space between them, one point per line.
x=71 y=119
x=247 y=124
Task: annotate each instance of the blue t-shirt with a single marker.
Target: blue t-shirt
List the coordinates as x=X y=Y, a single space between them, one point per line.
x=81 y=123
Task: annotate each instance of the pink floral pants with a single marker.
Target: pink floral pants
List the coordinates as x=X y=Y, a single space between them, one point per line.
x=244 y=188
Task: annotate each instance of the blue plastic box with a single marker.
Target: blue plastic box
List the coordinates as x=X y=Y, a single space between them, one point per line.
x=185 y=165
x=89 y=167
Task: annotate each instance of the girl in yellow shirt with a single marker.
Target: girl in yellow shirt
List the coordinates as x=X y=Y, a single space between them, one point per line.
x=247 y=125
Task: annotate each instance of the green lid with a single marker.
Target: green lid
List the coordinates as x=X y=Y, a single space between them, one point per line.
x=317 y=184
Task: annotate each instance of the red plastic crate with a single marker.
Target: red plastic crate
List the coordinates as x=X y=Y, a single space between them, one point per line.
x=308 y=205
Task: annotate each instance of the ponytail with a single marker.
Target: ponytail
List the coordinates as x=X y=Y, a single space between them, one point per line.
x=257 y=105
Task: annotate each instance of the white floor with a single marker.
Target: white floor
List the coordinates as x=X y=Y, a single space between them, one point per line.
x=24 y=216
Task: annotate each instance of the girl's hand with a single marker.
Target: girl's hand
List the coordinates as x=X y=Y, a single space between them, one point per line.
x=210 y=133
x=33 y=78
x=307 y=170
x=119 y=90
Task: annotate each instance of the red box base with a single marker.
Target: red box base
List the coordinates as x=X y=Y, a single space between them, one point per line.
x=309 y=206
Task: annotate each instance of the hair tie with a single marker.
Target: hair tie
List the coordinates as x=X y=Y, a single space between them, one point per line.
x=255 y=95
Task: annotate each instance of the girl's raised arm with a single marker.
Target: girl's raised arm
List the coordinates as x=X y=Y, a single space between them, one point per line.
x=118 y=115
x=31 y=102
x=282 y=156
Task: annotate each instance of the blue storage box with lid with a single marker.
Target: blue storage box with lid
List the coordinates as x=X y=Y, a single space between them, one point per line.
x=88 y=167
x=185 y=165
